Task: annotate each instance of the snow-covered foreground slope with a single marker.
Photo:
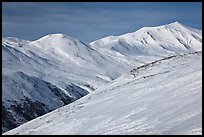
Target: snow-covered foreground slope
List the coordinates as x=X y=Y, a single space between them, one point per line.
x=163 y=97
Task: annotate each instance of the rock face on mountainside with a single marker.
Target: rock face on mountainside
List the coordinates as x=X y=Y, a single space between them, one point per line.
x=42 y=75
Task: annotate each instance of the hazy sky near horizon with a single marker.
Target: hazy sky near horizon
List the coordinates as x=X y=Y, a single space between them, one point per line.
x=89 y=21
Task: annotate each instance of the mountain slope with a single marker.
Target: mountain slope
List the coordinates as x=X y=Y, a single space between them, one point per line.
x=74 y=68
x=161 y=41
x=162 y=97
x=27 y=97
x=43 y=75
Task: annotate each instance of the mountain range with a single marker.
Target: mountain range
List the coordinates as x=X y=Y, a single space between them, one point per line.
x=43 y=75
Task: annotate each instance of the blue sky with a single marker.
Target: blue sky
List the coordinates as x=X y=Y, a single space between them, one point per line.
x=89 y=21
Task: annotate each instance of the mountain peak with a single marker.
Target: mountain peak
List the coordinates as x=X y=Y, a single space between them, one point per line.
x=55 y=36
x=175 y=24
x=55 y=39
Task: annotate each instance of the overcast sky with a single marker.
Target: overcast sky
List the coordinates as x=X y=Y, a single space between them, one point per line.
x=89 y=21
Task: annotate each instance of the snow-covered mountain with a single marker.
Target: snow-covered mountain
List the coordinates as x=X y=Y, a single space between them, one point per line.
x=151 y=42
x=162 y=97
x=57 y=69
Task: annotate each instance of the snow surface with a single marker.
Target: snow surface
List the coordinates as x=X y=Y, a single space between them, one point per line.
x=64 y=61
x=163 y=97
x=161 y=41
x=60 y=59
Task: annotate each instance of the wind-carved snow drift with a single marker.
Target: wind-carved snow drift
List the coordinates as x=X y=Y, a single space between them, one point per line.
x=55 y=70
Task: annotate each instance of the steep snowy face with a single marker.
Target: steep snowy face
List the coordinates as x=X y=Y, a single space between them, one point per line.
x=162 y=97
x=165 y=40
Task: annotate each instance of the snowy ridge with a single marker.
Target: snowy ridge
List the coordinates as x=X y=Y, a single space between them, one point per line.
x=163 y=41
x=134 y=104
x=73 y=68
